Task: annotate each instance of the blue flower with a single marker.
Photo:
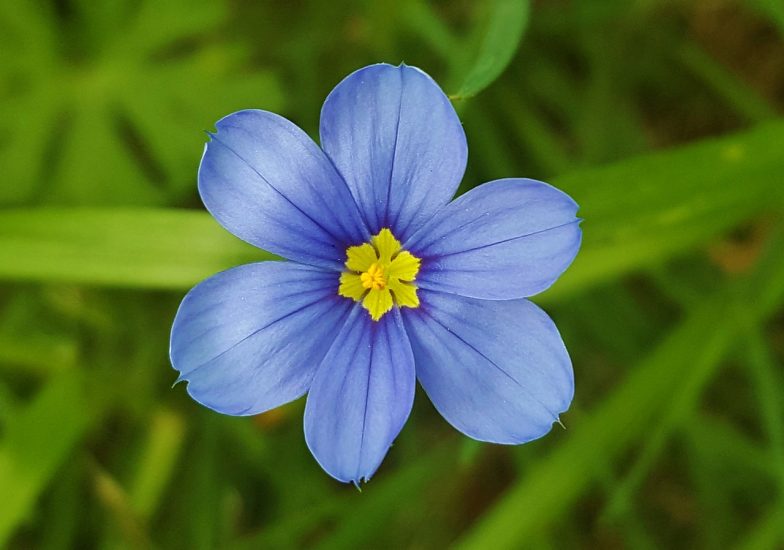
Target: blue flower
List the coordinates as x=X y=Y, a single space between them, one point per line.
x=387 y=280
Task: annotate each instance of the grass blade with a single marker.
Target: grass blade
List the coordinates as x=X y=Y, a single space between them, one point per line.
x=505 y=30
x=36 y=443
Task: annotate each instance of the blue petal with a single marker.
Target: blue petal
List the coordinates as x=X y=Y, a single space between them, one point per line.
x=397 y=141
x=361 y=396
x=497 y=371
x=249 y=339
x=268 y=183
x=506 y=239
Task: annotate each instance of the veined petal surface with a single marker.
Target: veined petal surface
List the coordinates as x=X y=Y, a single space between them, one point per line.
x=268 y=183
x=361 y=396
x=397 y=141
x=249 y=339
x=497 y=371
x=505 y=239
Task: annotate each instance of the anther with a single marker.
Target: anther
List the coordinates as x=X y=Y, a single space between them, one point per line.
x=374 y=278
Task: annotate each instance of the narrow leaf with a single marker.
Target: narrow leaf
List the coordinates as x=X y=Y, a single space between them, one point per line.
x=157 y=463
x=508 y=20
x=123 y=247
x=36 y=442
x=642 y=211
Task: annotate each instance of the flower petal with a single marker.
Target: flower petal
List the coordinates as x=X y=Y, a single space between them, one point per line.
x=397 y=141
x=377 y=302
x=268 y=183
x=405 y=266
x=405 y=293
x=497 y=371
x=360 y=258
x=361 y=396
x=386 y=244
x=249 y=339
x=505 y=239
x=351 y=286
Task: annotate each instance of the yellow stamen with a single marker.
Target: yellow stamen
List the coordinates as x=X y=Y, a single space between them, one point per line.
x=380 y=275
x=373 y=278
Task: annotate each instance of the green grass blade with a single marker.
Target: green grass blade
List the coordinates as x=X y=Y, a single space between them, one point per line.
x=157 y=463
x=681 y=404
x=36 y=442
x=124 y=524
x=505 y=30
x=123 y=247
x=768 y=533
x=773 y=10
x=769 y=388
x=739 y=96
x=642 y=211
x=65 y=508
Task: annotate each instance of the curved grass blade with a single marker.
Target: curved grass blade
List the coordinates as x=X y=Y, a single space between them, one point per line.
x=507 y=24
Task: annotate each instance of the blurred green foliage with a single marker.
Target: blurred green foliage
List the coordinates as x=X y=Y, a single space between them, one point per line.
x=659 y=117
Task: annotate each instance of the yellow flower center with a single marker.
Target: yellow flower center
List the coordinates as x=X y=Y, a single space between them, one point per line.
x=373 y=278
x=380 y=274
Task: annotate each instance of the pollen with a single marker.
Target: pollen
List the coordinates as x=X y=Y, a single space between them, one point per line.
x=373 y=278
x=380 y=275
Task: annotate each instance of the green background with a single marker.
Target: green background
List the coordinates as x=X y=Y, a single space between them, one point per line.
x=658 y=117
